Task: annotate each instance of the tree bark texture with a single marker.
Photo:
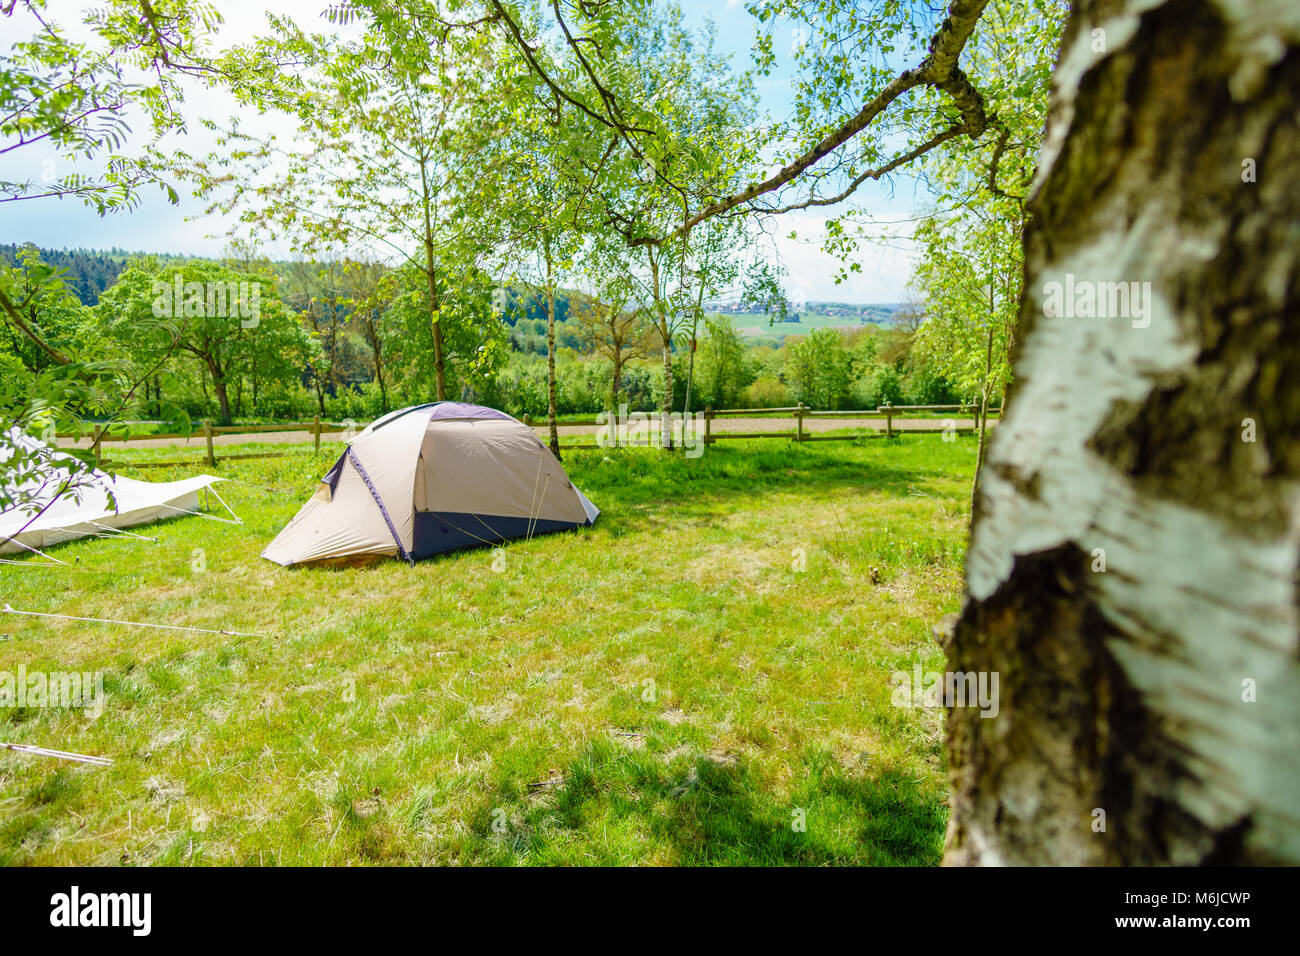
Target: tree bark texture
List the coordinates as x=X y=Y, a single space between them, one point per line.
x=1134 y=561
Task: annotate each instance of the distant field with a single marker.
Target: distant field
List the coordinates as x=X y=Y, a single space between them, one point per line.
x=684 y=682
x=759 y=325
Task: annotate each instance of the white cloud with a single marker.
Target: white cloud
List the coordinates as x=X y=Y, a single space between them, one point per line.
x=884 y=266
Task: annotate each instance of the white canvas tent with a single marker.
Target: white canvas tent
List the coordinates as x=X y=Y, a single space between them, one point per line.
x=50 y=501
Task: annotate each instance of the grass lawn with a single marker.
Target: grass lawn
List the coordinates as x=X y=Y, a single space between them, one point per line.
x=682 y=683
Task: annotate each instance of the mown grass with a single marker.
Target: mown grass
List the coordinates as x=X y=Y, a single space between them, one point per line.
x=683 y=683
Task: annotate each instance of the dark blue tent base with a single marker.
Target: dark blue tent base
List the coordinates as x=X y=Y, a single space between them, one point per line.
x=438 y=531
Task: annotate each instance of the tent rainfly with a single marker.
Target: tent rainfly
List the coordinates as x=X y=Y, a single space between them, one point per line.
x=51 y=499
x=433 y=478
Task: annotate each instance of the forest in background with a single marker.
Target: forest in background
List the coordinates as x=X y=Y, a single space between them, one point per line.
x=342 y=345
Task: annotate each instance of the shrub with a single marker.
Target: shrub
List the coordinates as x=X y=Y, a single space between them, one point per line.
x=765 y=392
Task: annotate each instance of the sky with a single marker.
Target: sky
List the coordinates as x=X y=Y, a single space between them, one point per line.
x=156 y=226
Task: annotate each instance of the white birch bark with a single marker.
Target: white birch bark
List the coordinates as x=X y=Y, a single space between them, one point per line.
x=1127 y=690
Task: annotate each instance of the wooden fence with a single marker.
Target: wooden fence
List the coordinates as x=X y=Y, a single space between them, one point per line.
x=316 y=428
x=799 y=414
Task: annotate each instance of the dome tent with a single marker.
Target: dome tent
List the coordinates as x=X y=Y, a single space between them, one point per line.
x=433 y=478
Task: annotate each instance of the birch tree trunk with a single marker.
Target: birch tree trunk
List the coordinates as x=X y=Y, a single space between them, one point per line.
x=431 y=274
x=551 y=404
x=1132 y=576
x=663 y=324
x=439 y=362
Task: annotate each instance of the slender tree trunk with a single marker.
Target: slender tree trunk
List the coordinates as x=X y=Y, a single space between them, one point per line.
x=431 y=273
x=1133 y=566
x=376 y=350
x=550 y=350
x=690 y=377
x=439 y=370
x=336 y=379
x=616 y=387
x=982 y=413
x=695 y=329
x=667 y=410
x=223 y=399
x=664 y=327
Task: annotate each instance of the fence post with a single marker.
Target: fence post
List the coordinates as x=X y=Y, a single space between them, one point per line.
x=708 y=425
x=94 y=444
x=315 y=430
x=207 y=437
x=889 y=419
x=798 y=414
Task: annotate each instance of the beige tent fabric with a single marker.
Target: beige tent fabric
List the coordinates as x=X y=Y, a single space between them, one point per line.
x=349 y=522
x=389 y=456
x=526 y=480
x=492 y=467
x=345 y=524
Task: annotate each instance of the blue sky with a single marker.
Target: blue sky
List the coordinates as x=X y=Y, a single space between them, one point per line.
x=158 y=226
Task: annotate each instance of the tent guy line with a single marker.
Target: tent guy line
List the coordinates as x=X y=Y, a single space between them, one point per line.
x=59 y=754
x=105 y=620
x=104 y=532
x=53 y=561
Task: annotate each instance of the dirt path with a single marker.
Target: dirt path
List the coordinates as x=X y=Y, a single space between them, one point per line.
x=720 y=426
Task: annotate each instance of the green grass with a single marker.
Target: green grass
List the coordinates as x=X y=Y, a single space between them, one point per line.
x=666 y=687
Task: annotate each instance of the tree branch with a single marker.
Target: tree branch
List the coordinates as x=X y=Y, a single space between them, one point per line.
x=889 y=167
x=939 y=69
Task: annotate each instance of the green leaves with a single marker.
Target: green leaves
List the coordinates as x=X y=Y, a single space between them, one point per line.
x=971 y=267
x=75 y=96
x=72 y=97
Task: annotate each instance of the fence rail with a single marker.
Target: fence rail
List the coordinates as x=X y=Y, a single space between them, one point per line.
x=319 y=429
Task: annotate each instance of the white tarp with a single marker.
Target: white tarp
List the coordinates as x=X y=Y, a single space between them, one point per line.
x=50 y=502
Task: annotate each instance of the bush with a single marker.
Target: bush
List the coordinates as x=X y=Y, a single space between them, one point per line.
x=361 y=403
x=580 y=387
x=820 y=369
x=927 y=387
x=635 y=387
x=765 y=392
x=521 y=386
x=881 y=386
x=656 y=377
x=280 y=402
